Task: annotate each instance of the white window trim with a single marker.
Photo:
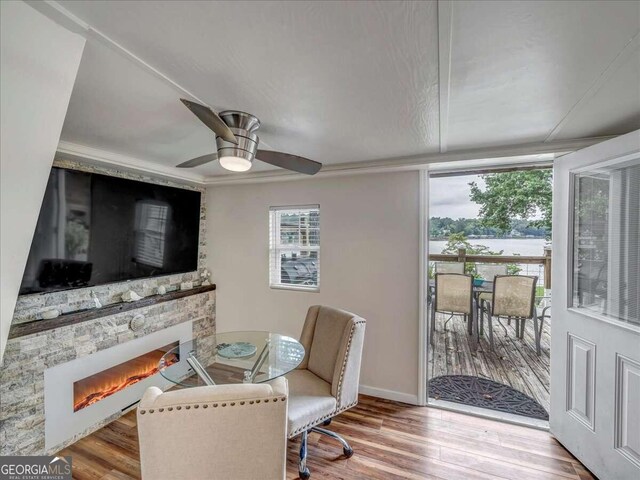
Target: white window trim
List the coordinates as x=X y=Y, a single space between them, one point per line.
x=273 y=253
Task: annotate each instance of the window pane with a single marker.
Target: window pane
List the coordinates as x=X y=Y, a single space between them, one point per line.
x=606 y=249
x=294 y=247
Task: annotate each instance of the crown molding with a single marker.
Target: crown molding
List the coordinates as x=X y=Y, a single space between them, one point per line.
x=415 y=162
x=100 y=157
x=96 y=156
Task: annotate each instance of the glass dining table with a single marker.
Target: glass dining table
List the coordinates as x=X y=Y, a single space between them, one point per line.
x=231 y=357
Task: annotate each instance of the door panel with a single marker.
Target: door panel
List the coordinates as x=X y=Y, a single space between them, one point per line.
x=581 y=380
x=628 y=408
x=595 y=329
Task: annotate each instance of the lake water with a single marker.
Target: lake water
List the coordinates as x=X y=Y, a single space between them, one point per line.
x=510 y=246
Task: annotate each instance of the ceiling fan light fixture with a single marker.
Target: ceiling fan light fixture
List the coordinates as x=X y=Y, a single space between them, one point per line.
x=235 y=164
x=237 y=143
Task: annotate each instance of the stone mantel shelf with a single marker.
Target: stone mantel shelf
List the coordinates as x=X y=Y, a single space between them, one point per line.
x=71 y=318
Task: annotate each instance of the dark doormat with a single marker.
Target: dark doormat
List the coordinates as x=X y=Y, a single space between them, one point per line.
x=484 y=393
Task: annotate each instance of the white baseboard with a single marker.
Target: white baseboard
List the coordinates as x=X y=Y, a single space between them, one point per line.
x=389 y=394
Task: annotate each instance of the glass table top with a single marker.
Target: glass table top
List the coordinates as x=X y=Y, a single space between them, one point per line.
x=231 y=357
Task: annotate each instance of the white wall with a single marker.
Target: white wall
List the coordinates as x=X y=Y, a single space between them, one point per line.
x=369 y=237
x=38 y=65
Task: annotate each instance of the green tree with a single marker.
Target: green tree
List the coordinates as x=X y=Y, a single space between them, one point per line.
x=459 y=240
x=515 y=195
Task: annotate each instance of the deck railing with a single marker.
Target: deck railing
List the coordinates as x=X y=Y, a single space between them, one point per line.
x=462 y=256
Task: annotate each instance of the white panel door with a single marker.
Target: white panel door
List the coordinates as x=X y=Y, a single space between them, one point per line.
x=595 y=325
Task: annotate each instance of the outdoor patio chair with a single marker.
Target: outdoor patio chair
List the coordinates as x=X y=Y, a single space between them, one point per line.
x=543 y=310
x=444 y=267
x=449 y=267
x=487 y=271
x=514 y=298
x=453 y=296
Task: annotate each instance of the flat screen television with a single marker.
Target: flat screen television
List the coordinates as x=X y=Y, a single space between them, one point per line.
x=95 y=229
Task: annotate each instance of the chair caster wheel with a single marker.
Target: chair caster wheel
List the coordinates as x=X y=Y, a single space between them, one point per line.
x=348 y=452
x=326 y=422
x=304 y=474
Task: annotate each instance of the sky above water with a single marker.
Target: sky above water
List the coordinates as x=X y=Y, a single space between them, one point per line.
x=449 y=197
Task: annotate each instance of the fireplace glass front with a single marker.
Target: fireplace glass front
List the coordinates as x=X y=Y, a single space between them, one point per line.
x=95 y=387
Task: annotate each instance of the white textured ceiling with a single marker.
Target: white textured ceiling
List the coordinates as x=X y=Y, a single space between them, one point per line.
x=343 y=82
x=518 y=68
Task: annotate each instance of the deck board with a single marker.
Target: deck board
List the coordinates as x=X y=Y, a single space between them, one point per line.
x=513 y=362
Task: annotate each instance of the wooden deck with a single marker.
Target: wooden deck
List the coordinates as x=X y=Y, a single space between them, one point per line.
x=391 y=441
x=513 y=361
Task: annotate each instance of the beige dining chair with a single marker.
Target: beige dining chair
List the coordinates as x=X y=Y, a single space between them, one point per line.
x=453 y=296
x=514 y=299
x=326 y=382
x=217 y=432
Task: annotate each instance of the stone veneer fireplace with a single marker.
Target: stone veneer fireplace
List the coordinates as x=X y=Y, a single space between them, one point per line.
x=27 y=385
x=28 y=388
x=84 y=392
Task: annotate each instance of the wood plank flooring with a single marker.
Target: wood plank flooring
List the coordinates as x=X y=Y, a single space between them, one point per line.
x=391 y=441
x=512 y=361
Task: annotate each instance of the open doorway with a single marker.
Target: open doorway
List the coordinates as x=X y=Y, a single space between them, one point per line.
x=479 y=228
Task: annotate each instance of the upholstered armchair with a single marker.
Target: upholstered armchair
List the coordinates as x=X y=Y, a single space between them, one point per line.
x=326 y=382
x=215 y=432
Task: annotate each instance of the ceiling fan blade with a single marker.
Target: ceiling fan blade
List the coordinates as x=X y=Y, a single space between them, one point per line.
x=288 y=161
x=211 y=120
x=196 y=162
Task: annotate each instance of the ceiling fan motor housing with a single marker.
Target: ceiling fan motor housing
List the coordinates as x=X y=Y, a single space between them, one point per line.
x=243 y=125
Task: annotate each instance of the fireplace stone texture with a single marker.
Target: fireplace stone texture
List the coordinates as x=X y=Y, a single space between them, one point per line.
x=26 y=358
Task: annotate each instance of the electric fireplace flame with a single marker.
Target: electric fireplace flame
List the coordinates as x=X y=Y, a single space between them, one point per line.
x=96 y=387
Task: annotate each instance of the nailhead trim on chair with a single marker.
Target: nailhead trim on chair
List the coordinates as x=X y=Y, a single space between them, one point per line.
x=315 y=422
x=231 y=404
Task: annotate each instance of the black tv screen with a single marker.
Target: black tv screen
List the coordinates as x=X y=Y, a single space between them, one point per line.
x=95 y=229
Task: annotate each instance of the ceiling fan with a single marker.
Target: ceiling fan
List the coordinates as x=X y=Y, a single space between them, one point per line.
x=237 y=143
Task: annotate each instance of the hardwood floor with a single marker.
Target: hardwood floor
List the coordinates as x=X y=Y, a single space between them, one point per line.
x=391 y=441
x=512 y=361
